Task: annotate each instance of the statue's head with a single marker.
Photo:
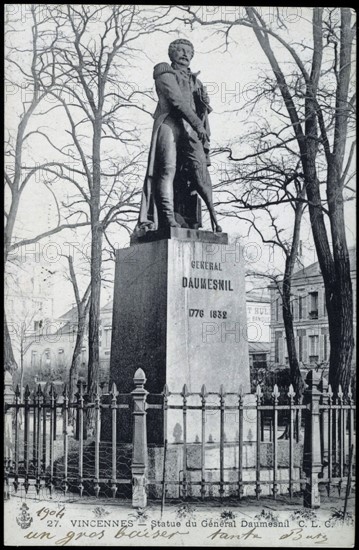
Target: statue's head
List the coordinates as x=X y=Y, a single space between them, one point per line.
x=181 y=52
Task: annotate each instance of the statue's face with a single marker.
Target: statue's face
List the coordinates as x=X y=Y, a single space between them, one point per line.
x=182 y=55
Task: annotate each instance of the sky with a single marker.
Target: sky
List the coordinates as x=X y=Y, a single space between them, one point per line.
x=229 y=76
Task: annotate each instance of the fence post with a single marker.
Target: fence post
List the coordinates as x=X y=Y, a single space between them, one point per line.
x=9 y=396
x=139 y=451
x=324 y=422
x=312 y=463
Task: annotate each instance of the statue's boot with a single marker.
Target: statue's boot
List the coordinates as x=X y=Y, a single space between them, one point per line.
x=203 y=186
x=164 y=201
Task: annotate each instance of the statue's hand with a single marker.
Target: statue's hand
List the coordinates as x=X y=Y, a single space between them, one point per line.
x=202 y=134
x=205 y=96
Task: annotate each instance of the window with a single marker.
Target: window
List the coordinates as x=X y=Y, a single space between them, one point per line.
x=277 y=309
x=37 y=325
x=61 y=357
x=107 y=336
x=45 y=361
x=34 y=358
x=313 y=348
x=301 y=335
x=314 y=339
x=47 y=357
x=300 y=348
x=259 y=360
x=325 y=347
x=276 y=346
x=313 y=312
x=300 y=307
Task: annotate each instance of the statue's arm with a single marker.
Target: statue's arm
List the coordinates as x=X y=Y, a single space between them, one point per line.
x=166 y=84
x=204 y=97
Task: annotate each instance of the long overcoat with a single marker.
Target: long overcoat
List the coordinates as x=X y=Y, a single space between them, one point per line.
x=175 y=96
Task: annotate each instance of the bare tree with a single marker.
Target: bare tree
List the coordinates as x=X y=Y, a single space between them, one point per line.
x=15 y=178
x=30 y=68
x=320 y=122
x=27 y=314
x=92 y=89
x=267 y=182
x=82 y=304
x=25 y=338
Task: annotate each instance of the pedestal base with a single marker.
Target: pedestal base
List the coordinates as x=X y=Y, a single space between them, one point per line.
x=179 y=314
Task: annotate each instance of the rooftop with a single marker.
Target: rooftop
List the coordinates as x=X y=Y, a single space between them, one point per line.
x=259 y=347
x=313 y=269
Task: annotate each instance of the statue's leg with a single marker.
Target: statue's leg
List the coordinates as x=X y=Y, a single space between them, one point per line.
x=205 y=191
x=203 y=185
x=165 y=170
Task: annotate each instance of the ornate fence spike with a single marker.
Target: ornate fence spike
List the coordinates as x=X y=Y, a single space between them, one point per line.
x=27 y=391
x=222 y=393
x=65 y=393
x=80 y=387
x=203 y=391
x=166 y=391
x=258 y=391
x=240 y=391
x=39 y=391
x=17 y=391
x=275 y=392
x=139 y=378
x=350 y=395
x=340 y=392
x=291 y=392
x=330 y=391
x=185 y=391
x=114 y=392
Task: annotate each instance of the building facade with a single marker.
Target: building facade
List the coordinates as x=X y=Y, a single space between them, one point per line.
x=310 y=317
x=258 y=327
x=50 y=348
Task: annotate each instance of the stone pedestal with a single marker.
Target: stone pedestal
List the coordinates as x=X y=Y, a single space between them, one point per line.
x=180 y=315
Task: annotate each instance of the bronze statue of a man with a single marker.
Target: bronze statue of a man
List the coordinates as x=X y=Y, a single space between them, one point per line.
x=179 y=153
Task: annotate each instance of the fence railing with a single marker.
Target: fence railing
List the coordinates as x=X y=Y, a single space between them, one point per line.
x=249 y=426
x=215 y=444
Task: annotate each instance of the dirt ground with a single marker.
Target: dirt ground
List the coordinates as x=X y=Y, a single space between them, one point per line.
x=70 y=521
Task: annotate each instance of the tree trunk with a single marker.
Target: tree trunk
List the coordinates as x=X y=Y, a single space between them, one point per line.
x=22 y=371
x=340 y=300
x=9 y=359
x=295 y=374
x=76 y=357
x=334 y=266
x=96 y=261
x=341 y=310
x=94 y=318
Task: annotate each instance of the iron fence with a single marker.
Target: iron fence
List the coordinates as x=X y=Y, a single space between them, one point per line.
x=215 y=445
x=52 y=447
